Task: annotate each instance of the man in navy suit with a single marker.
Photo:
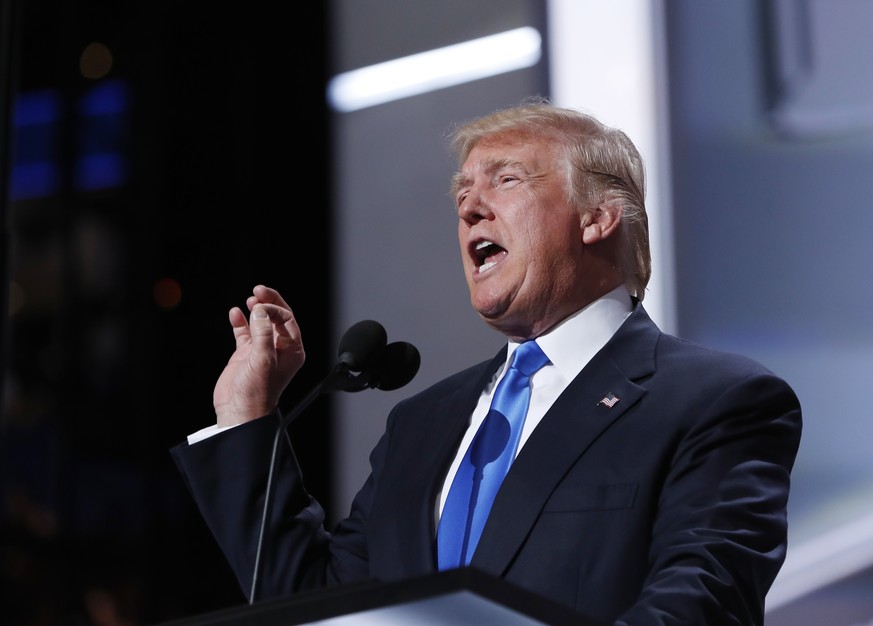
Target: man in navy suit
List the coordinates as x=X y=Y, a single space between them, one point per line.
x=651 y=480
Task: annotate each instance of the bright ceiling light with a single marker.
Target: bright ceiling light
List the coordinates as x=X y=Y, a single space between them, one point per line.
x=435 y=69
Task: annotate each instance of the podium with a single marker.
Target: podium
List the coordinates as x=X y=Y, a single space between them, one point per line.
x=457 y=597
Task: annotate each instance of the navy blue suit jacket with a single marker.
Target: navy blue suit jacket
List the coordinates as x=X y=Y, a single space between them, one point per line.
x=669 y=507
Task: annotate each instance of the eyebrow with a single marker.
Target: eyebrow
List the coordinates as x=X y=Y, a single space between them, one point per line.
x=461 y=180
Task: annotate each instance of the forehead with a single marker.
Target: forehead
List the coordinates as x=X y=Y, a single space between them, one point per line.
x=531 y=151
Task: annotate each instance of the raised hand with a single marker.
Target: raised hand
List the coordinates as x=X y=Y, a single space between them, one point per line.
x=269 y=352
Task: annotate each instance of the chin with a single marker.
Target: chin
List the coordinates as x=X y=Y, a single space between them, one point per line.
x=496 y=318
x=488 y=309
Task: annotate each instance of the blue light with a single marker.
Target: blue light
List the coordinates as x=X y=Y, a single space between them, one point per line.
x=100 y=171
x=107 y=98
x=100 y=130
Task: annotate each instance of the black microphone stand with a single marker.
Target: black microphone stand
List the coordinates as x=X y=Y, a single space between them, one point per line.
x=340 y=378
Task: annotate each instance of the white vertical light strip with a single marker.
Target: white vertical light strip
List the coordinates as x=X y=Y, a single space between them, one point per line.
x=609 y=59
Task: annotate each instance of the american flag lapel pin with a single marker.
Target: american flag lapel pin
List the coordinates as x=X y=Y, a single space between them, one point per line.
x=609 y=400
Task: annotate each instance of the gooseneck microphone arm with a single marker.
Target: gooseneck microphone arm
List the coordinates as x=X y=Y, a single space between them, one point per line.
x=339 y=371
x=362 y=349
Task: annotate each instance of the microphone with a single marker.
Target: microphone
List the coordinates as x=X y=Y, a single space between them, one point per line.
x=359 y=349
x=379 y=365
x=361 y=345
x=396 y=366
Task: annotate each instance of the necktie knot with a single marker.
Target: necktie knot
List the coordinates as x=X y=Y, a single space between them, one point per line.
x=528 y=358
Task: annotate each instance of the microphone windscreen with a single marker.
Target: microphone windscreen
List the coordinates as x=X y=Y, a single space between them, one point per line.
x=362 y=345
x=397 y=366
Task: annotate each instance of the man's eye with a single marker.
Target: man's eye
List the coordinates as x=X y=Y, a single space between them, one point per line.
x=508 y=179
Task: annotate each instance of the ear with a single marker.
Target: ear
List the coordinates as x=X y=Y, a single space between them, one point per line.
x=601 y=222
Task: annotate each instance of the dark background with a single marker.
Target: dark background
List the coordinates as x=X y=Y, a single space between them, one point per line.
x=224 y=142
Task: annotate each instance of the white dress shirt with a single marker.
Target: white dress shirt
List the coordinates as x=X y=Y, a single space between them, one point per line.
x=569 y=346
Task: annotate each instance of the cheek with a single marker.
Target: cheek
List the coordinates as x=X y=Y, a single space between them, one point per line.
x=550 y=235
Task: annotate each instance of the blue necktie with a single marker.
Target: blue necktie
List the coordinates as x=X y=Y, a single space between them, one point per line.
x=487 y=461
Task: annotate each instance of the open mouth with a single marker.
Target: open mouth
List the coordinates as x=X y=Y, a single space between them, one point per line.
x=487 y=254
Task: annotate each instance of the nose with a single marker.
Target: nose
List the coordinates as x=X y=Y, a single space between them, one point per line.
x=474 y=207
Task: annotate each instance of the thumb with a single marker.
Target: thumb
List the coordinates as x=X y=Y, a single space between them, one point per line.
x=260 y=327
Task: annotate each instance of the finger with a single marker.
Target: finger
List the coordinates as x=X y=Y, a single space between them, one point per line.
x=239 y=324
x=237 y=317
x=277 y=308
x=268 y=295
x=260 y=326
x=284 y=324
x=287 y=339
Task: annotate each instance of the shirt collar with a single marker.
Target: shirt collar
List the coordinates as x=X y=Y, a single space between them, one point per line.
x=573 y=342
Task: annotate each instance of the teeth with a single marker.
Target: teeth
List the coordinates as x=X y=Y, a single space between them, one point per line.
x=483 y=244
x=486 y=266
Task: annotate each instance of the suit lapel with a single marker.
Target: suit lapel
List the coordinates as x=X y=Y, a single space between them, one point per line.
x=572 y=424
